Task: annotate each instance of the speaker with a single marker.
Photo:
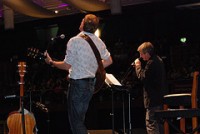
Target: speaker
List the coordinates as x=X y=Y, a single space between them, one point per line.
x=115 y=7
x=8 y=18
x=101 y=132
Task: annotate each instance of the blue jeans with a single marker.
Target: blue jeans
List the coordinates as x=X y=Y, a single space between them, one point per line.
x=79 y=95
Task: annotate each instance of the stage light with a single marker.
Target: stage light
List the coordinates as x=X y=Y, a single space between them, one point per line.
x=56 y=11
x=98 y=33
x=183 y=40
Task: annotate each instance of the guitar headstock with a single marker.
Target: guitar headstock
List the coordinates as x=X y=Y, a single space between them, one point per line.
x=35 y=53
x=22 y=68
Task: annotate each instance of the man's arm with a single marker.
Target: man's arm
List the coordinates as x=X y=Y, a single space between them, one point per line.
x=58 y=64
x=107 y=62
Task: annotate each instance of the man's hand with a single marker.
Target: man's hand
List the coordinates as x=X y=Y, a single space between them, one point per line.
x=137 y=62
x=48 y=59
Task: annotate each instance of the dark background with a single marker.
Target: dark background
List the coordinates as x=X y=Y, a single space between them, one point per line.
x=122 y=33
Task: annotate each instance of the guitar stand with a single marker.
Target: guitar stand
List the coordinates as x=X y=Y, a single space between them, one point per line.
x=23 y=116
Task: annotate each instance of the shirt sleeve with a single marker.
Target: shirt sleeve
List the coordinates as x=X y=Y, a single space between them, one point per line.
x=70 y=52
x=105 y=54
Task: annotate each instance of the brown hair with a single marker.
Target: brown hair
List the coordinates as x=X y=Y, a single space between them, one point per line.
x=91 y=23
x=146 y=47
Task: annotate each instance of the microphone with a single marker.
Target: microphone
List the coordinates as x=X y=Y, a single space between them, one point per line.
x=62 y=36
x=133 y=63
x=10 y=96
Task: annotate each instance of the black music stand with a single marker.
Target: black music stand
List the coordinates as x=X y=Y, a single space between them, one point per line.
x=115 y=85
x=123 y=80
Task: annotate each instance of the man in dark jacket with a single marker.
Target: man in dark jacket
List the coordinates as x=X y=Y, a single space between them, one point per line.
x=153 y=78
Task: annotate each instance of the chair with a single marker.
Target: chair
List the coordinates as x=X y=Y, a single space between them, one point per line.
x=183 y=100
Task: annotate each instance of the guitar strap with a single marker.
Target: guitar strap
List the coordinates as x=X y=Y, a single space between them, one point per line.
x=95 y=50
x=100 y=73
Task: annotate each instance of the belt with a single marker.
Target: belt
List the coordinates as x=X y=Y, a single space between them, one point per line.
x=83 y=79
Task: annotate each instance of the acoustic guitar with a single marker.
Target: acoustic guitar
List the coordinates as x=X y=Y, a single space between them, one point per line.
x=22 y=121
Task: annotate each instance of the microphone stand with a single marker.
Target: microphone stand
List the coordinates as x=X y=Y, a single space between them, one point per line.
x=129 y=70
x=23 y=116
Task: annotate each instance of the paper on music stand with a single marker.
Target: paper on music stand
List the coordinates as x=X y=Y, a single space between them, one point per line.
x=111 y=80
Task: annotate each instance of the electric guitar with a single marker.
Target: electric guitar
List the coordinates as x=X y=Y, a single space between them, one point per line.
x=100 y=75
x=35 y=53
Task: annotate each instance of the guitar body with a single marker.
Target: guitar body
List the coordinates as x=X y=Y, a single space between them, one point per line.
x=100 y=79
x=14 y=123
x=17 y=122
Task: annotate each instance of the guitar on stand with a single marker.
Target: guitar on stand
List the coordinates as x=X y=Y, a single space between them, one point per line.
x=22 y=121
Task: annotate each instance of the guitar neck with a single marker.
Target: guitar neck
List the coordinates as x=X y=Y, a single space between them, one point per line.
x=37 y=54
x=21 y=90
x=22 y=70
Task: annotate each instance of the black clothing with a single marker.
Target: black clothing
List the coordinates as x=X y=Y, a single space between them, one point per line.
x=153 y=77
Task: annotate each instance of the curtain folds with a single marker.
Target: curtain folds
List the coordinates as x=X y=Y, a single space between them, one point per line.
x=88 y=5
x=29 y=8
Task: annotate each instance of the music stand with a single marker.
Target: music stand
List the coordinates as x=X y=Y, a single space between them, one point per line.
x=123 y=80
x=115 y=85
